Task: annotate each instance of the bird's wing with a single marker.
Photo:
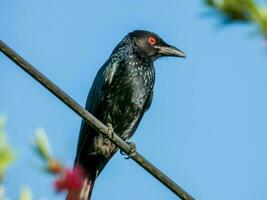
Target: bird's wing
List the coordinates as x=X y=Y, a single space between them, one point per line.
x=148 y=101
x=141 y=114
x=100 y=85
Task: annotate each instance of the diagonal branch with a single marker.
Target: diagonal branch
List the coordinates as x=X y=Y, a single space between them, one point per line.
x=92 y=121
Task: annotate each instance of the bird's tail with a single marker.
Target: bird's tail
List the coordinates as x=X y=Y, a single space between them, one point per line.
x=85 y=192
x=90 y=185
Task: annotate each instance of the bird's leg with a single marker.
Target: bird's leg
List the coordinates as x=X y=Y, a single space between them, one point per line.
x=132 y=150
x=110 y=130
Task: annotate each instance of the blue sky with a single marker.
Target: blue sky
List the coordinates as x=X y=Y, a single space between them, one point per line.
x=206 y=128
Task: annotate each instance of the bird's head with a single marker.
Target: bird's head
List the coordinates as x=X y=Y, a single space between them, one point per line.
x=152 y=46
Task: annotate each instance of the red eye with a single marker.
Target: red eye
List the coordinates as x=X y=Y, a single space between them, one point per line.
x=152 y=40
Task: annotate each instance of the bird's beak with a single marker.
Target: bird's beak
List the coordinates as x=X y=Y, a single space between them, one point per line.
x=168 y=50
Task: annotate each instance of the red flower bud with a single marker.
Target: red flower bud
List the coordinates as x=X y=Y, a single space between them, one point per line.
x=70 y=180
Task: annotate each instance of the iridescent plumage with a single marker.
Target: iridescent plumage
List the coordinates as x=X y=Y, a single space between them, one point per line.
x=120 y=95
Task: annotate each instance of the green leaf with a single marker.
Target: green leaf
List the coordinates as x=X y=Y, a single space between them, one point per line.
x=6 y=158
x=248 y=11
x=25 y=194
x=6 y=153
x=42 y=144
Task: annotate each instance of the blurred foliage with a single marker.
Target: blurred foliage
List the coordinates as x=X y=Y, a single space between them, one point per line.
x=41 y=144
x=6 y=157
x=6 y=153
x=67 y=179
x=43 y=150
x=2 y=193
x=248 y=11
x=25 y=194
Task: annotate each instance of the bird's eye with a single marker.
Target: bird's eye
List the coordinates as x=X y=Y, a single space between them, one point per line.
x=152 y=40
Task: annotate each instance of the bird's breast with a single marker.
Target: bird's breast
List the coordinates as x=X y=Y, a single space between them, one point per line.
x=130 y=89
x=134 y=83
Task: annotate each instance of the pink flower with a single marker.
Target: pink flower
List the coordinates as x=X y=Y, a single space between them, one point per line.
x=70 y=179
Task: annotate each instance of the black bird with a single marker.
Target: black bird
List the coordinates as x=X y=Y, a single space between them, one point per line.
x=120 y=95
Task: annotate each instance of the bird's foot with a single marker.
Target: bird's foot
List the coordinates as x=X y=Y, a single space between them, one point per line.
x=132 y=150
x=110 y=130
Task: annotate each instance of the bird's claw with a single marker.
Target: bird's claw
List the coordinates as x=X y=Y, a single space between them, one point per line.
x=122 y=152
x=110 y=130
x=132 y=150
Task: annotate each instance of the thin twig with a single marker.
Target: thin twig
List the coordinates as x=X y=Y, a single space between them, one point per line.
x=92 y=121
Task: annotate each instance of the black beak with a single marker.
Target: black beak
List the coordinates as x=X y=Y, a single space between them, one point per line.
x=168 y=50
